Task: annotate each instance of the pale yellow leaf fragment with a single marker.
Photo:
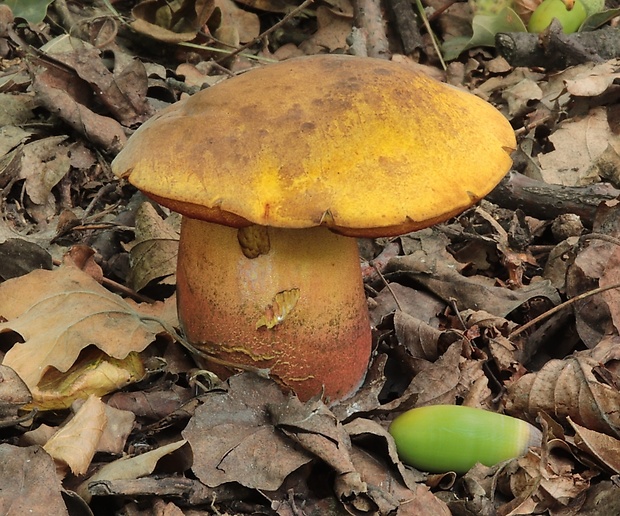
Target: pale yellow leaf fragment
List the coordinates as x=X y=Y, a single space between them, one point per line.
x=76 y=442
x=93 y=373
x=283 y=304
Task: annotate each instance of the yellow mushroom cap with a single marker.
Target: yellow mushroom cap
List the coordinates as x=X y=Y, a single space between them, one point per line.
x=364 y=146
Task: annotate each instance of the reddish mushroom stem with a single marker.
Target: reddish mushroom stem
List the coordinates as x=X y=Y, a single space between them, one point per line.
x=297 y=308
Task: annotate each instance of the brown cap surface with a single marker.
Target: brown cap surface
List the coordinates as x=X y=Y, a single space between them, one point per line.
x=364 y=146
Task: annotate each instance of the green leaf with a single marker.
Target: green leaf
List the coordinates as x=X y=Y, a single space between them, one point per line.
x=485 y=28
x=33 y=11
x=596 y=20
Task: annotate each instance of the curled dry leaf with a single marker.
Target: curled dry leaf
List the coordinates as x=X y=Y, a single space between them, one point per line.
x=439 y=382
x=594 y=264
x=419 y=338
x=567 y=388
x=128 y=467
x=93 y=372
x=76 y=442
x=316 y=429
x=603 y=447
x=548 y=478
x=59 y=313
x=171 y=22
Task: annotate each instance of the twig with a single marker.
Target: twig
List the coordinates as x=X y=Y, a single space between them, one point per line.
x=369 y=18
x=430 y=32
x=559 y=308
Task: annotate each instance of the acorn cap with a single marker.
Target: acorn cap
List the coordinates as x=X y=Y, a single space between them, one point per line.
x=364 y=146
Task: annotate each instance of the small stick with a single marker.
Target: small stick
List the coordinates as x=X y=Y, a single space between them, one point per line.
x=560 y=307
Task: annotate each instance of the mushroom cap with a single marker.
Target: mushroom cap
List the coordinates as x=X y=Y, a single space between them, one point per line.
x=365 y=146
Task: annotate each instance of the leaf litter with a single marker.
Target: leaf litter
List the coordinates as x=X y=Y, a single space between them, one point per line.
x=121 y=412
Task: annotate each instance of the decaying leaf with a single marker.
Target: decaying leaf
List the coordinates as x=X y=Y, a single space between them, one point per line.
x=233 y=439
x=578 y=145
x=13 y=394
x=441 y=276
x=59 y=313
x=54 y=93
x=567 y=388
x=171 y=22
x=605 y=448
x=129 y=467
x=29 y=482
x=154 y=253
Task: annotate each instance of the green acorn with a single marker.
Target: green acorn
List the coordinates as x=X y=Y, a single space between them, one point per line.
x=570 y=18
x=442 y=438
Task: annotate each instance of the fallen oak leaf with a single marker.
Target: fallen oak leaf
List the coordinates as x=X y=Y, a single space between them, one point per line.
x=59 y=313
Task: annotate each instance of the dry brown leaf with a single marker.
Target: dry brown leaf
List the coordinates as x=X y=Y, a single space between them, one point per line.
x=233 y=439
x=420 y=339
x=440 y=382
x=44 y=163
x=593 y=79
x=13 y=394
x=603 y=447
x=567 y=388
x=592 y=315
x=129 y=467
x=83 y=257
x=333 y=30
x=76 y=442
x=54 y=94
x=171 y=22
x=544 y=481
x=611 y=276
x=415 y=302
x=29 y=482
x=361 y=430
x=441 y=277
x=154 y=252
x=577 y=145
x=59 y=313
x=318 y=431
x=123 y=92
x=244 y=24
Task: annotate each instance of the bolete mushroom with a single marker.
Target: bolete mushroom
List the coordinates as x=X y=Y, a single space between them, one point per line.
x=274 y=170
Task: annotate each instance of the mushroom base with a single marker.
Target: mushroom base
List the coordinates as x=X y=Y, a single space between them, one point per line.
x=296 y=307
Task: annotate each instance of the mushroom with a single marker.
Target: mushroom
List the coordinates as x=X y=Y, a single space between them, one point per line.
x=275 y=170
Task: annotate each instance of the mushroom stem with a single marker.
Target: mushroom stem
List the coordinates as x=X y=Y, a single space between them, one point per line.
x=288 y=300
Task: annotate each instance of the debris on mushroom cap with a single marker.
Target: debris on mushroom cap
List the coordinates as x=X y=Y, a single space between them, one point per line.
x=364 y=146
